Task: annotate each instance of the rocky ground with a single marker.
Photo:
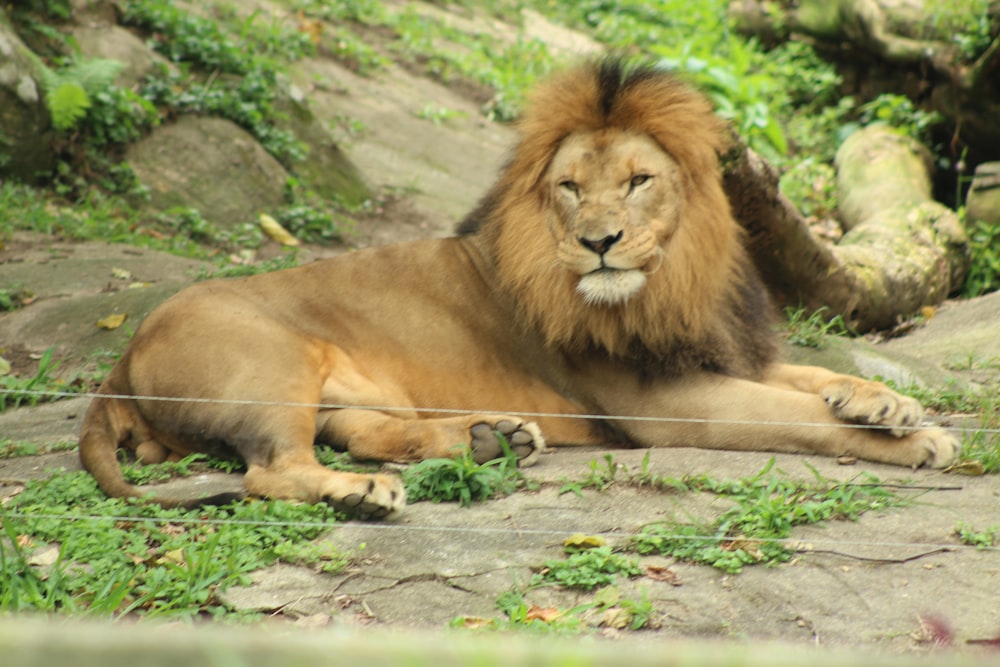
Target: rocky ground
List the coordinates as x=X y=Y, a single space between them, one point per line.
x=871 y=583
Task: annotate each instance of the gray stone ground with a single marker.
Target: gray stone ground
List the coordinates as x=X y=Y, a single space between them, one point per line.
x=863 y=584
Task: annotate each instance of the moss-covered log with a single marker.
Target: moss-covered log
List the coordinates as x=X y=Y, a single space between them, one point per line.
x=901 y=251
x=944 y=54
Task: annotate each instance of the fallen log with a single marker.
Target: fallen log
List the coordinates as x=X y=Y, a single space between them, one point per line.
x=901 y=250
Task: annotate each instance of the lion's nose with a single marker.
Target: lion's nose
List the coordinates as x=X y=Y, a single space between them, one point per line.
x=600 y=246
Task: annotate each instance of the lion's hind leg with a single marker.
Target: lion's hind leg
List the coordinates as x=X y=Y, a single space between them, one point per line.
x=281 y=463
x=373 y=435
x=362 y=496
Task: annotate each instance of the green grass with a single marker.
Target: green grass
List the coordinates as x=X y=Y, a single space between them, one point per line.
x=10 y=449
x=812 y=330
x=116 y=558
x=16 y=391
x=981 y=442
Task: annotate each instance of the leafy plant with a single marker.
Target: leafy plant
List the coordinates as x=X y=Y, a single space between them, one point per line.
x=10 y=449
x=984 y=269
x=765 y=509
x=599 y=478
x=587 y=569
x=899 y=112
x=981 y=539
x=965 y=23
x=461 y=479
x=249 y=96
x=68 y=91
x=812 y=185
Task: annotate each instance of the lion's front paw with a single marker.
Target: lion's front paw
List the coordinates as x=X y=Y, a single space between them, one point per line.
x=864 y=402
x=941 y=446
x=379 y=497
x=525 y=440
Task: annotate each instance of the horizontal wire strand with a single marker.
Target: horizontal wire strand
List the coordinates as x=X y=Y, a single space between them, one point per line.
x=462 y=411
x=807 y=544
x=391 y=526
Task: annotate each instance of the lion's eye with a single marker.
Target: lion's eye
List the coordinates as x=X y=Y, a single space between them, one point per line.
x=570 y=186
x=638 y=180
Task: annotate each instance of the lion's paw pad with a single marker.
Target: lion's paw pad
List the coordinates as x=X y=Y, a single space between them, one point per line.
x=524 y=438
x=380 y=498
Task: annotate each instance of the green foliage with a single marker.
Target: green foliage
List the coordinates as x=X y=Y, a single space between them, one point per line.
x=965 y=23
x=140 y=559
x=14 y=297
x=981 y=445
x=461 y=479
x=812 y=330
x=898 y=111
x=984 y=269
x=286 y=261
x=248 y=97
x=588 y=569
x=765 y=509
x=68 y=90
x=321 y=556
x=96 y=216
x=740 y=95
x=522 y=616
x=10 y=449
x=812 y=185
x=981 y=539
x=160 y=472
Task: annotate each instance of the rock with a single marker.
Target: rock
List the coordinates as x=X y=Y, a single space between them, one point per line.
x=116 y=43
x=209 y=164
x=75 y=285
x=983 y=202
x=326 y=169
x=25 y=124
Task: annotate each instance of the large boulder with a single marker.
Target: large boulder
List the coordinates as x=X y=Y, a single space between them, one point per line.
x=25 y=125
x=209 y=164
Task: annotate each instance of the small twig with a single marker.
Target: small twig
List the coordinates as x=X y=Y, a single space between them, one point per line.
x=877 y=560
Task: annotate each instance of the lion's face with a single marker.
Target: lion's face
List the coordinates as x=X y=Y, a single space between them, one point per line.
x=617 y=200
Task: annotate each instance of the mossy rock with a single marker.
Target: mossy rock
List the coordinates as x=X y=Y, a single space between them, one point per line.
x=209 y=164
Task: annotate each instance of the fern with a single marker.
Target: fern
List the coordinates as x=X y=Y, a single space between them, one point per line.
x=69 y=90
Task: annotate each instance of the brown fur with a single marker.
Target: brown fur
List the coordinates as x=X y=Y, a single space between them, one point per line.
x=603 y=273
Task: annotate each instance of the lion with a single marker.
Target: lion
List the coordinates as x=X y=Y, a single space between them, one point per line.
x=602 y=274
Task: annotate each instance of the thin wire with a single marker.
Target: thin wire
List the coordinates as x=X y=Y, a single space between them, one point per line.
x=460 y=411
x=802 y=544
x=464 y=529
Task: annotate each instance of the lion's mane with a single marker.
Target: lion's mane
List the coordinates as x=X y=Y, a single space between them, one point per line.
x=704 y=305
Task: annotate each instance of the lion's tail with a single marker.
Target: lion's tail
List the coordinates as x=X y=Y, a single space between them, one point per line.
x=109 y=422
